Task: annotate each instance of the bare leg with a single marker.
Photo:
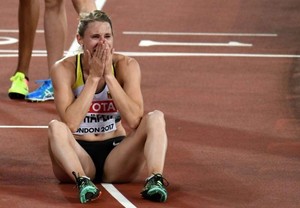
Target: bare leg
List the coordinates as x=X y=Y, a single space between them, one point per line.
x=66 y=154
x=84 y=5
x=55 y=23
x=147 y=144
x=156 y=143
x=28 y=16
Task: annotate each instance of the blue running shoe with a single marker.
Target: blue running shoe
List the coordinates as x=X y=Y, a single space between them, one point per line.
x=43 y=93
x=155 y=188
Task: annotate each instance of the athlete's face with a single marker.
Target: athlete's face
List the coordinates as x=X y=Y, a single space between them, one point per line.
x=97 y=33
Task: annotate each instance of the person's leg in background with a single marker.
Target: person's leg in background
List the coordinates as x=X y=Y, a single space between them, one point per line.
x=28 y=17
x=55 y=25
x=84 y=5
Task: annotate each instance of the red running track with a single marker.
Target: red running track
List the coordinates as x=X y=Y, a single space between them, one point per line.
x=231 y=111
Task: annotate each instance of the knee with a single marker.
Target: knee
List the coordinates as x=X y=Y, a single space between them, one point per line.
x=54 y=4
x=54 y=127
x=156 y=118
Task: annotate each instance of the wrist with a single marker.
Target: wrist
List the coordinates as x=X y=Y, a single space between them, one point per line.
x=94 y=79
x=109 y=77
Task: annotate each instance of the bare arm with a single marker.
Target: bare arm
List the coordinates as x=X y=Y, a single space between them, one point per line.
x=126 y=91
x=71 y=111
x=127 y=96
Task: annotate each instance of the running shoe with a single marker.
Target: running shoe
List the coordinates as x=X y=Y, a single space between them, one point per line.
x=43 y=93
x=87 y=190
x=155 y=188
x=19 y=86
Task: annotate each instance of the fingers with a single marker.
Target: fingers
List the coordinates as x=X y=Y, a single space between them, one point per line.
x=100 y=52
x=104 y=53
x=97 y=53
x=100 y=61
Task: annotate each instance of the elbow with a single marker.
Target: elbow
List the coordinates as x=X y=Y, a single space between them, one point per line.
x=134 y=123
x=71 y=123
x=134 y=116
x=73 y=128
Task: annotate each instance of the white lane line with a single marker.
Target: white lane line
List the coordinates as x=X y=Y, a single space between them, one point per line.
x=174 y=54
x=117 y=195
x=16 y=55
x=100 y=4
x=7 y=40
x=147 y=43
x=178 y=54
x=35 y=53
x=16 y=51
x=22 y=127
x=17 y=31
x=201 y=34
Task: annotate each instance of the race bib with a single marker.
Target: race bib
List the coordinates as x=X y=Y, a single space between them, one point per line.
x=99 y=119
x=96 y=124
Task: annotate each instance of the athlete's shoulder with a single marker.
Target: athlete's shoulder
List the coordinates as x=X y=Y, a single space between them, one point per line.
x=124 y=61
x=67 y=59
x=64 y=67
x=67 y=62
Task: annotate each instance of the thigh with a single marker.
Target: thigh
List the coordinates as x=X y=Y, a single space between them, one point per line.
x=124 y=162
x=127 y=159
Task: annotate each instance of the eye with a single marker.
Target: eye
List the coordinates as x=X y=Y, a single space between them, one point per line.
x=96 y=36
x=107 y=36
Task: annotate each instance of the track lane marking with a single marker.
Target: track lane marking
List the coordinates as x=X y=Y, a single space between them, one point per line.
x=201 y=34
x=22 y=127
x=17 y=31
x=117 y=195
x=147 y=43
x=174 y=54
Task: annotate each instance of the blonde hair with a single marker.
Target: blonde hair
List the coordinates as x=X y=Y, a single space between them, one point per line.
x=86 y=18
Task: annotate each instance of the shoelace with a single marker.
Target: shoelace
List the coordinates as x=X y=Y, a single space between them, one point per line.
x=44 y=84
x=78 y=179
x=160 y=178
